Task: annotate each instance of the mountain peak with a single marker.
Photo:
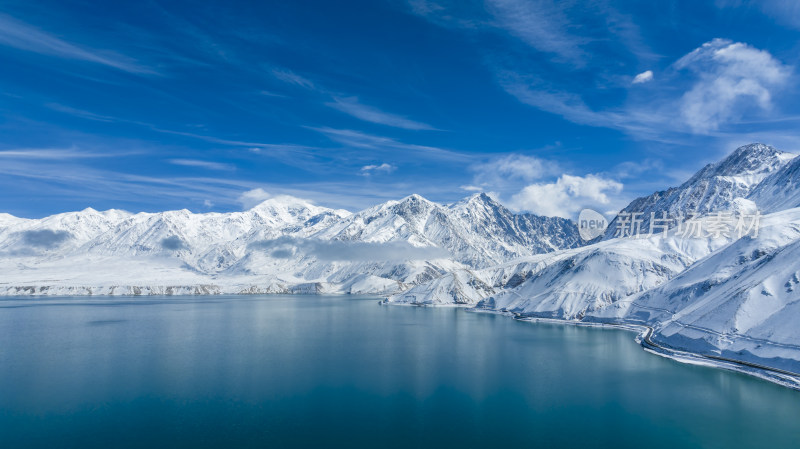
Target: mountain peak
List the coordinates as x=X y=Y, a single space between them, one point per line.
x=752 y=159
x=477 y=200
x=755 y=150
x=413 y=205
x=415 y=197
x=290 y=210
x=482 y=196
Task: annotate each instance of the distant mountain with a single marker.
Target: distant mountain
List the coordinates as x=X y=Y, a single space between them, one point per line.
x=719 y=186
x=281 y=245
x=476 y=231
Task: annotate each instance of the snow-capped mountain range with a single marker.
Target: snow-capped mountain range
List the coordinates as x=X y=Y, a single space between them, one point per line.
x=727 y=297
x=281 y=245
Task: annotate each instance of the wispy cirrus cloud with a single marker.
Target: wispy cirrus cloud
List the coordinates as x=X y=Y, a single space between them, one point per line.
x=22 y=36
x=377 y=168
x=534 y=91
x=54 y=154
x=358 y=139
x=352 y=107
x=292 y=78
x=554 y=27
x=81 y=113
x=202 y=164
x=348 y=104
x=253 y=146
x=541 y=24
x=786 y=12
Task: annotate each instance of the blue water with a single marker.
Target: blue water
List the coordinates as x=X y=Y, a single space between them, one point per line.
x=311 y=371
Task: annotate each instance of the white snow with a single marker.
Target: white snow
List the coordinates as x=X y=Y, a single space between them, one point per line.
x=279 y=245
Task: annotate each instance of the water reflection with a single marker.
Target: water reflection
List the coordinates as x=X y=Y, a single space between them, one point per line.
x=250 y=370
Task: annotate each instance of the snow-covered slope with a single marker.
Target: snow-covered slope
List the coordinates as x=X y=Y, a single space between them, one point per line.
x=740 y=302
x=568 y=284
x=500 y=235
x=459 y=287
x=780 y=190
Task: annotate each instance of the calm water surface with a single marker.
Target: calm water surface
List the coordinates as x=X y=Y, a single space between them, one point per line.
x=311 y=371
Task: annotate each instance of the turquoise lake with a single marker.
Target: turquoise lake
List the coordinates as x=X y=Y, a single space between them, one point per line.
x=317 y=371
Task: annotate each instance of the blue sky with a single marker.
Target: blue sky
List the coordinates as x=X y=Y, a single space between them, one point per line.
x=549 y=105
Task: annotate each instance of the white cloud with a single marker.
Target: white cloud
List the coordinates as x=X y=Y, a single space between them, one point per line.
x=732 y=77
x=567 y=195
x=384 y=167
x=253 y=197
x=351 y=106
x=202 y=164
x=55 y=154
x=643 y=77
x=513 y=167
x=20 y=35
x=471 y=188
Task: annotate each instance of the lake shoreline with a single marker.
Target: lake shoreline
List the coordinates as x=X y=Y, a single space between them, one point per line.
x=769 y=374
x=773 y=375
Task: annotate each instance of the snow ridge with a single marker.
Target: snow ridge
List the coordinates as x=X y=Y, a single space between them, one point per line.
x=280 y=245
